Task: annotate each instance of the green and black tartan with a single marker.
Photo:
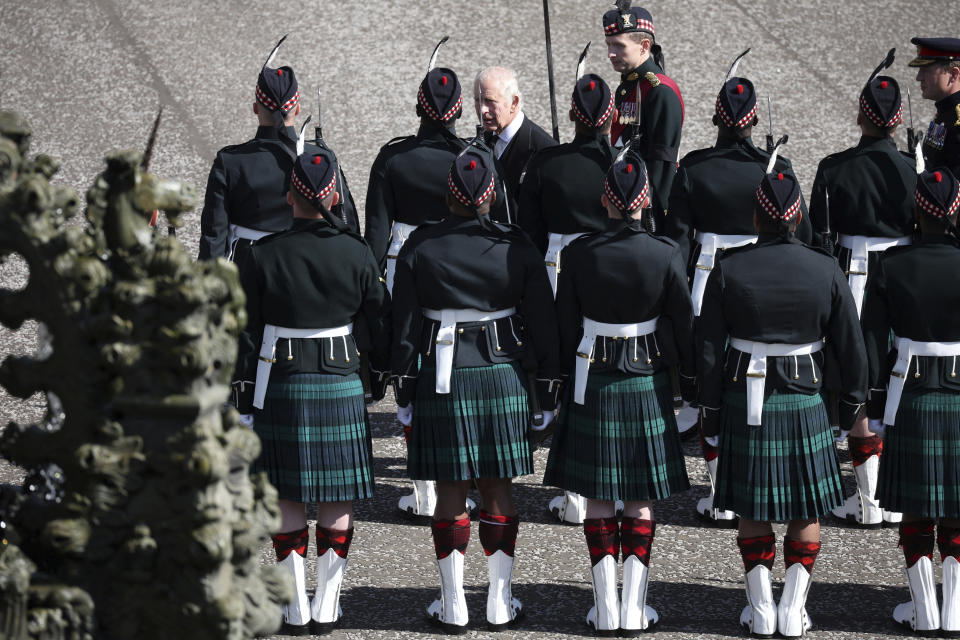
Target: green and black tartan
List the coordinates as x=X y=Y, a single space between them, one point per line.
x=785 y=469
x=478 y=430
x=316 y=438
x=920 y=465
x=621 y=443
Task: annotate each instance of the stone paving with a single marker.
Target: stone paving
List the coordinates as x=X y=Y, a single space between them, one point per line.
x=89 y=75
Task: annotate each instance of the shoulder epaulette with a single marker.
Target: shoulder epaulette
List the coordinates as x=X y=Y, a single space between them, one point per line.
x=652 y=78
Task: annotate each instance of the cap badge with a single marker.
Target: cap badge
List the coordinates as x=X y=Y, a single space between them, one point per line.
x=626 y=19
x=633 y=76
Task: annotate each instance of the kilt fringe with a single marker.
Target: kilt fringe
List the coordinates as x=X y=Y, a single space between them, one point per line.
x=316 y=441
x=786 y=469
x=920 y=465
x=621 y=443
x=478 y=430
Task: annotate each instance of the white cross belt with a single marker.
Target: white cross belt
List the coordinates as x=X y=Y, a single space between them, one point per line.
x=906 y=350
x=398 y=236
x=446 y=336
x=268 y=351
x=591 y=330
x=757 y=368
x=860 y=249
x=552 y=260
x=710 y=243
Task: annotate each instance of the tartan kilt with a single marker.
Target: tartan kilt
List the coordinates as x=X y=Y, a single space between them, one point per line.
x=621 y=443
x=920 y=464
x=478 y=430
x=315 y=435
x=785 y=469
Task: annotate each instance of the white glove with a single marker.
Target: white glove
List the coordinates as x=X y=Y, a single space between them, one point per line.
x=405 y=415
x=877 y=426
x=246 y=419
x=547 y=419
x=713 y=441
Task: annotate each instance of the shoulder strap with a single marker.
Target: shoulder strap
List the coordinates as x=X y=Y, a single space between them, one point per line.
x=652 y=80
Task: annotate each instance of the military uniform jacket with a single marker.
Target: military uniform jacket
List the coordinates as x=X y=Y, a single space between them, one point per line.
x=941 y=144
x=779 y=291
x=460 y=264
x=529 y=140
x=715 y=192
x=561 y=190
x=408 y=184
x=870 y=188
x=915 y=293
x=661 y=121
x=310 y=277
x=619 y=276
x=248 y=186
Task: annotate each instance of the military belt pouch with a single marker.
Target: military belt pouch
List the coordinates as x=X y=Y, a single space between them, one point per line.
x=450 y=335
x=268 y=351
x=907 y=351
x=757 y=368
x=586 y=352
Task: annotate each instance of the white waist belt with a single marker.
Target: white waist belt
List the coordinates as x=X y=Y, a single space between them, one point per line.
x=710 y=243
x=860 y=249
x=757 y=369
x=593 y=329
x=401 y=231
x=235 y=233
x=268 y=351
x=906 y=350
x=552 y=260
x=449 y=318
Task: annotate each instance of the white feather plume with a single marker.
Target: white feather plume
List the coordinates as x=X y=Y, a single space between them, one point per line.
x=436 y=51
x=736 y=64
x=887 y=61
x=921 y=162
x=274 y=52
x=582 y=62
x=776 y=152
x=302 y=138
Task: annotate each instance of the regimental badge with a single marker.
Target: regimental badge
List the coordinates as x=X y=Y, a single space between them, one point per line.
x=936 y=135
x=652 y=78
x=633 y=76
x=626 y=20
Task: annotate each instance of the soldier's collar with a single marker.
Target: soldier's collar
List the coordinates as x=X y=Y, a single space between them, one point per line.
x=869 y=141
x=433 y=130
x=649 y=66
x=267 y=133
x=949 y=103
x=772 y=237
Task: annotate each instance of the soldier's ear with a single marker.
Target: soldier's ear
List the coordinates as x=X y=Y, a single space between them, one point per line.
x=256 y=108
x=296 y=112
x=716 y=120
x=290 y=198
x=570 y=113
x=755 y=121
x=336 y=199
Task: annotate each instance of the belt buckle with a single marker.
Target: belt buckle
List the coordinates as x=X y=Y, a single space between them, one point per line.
x=444 y=342
x=898 y=374
x=550 y=264
x=581 y=354
x=704 y=267
x=756 y=375
x=856 y=273
x=267 y=360
x=391 y=256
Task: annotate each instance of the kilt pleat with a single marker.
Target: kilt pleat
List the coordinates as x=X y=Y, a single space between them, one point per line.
x=478 y=430
x=786 y=469
x=920 y=464
x=621 y=443
x=315 y=437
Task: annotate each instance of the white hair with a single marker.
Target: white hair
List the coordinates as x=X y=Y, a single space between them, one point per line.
x=503 y=77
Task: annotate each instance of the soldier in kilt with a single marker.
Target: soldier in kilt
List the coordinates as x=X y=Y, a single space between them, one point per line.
x=408 y=181
x=767 y=311
x=711 y=211
x=625 y=318
x=560 y=201
x=863 y=201
x=310 y=291
x=475 y=332
x=915 y=391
